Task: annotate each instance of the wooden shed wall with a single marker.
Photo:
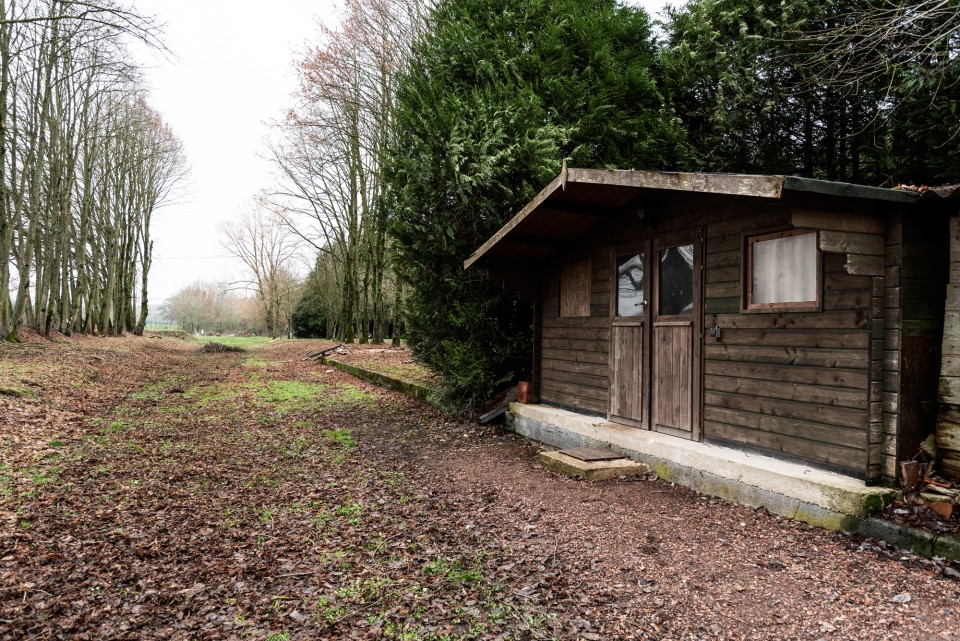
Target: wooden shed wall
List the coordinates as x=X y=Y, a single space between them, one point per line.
x=573 y=368
x=916 y=274
x=795 y=383
x=948 y=425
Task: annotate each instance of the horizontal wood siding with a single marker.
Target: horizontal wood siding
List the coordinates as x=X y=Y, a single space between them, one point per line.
x=573 y=351
x=948 y=422
x=793 y=383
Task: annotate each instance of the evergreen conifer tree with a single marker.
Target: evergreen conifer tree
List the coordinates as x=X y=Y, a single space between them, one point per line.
x=497 y=94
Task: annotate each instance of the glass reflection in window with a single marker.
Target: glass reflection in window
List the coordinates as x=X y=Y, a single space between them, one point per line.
x=676 y=281
x=630 y=285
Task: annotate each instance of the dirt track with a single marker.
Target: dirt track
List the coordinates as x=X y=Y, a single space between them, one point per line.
x=150 y=490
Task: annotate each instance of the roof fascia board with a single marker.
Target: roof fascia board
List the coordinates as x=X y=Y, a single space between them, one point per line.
x=846 y=190
x=730 y=184
x=554 y=184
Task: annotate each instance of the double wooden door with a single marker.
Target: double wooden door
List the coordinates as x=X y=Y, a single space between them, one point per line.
x=655 y=335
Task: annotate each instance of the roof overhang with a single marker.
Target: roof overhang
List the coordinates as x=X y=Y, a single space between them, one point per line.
x=578 y=199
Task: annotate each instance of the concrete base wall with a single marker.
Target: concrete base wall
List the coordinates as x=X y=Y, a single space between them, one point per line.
x=799 y=492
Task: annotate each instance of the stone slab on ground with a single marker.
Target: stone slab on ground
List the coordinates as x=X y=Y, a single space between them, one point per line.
x=574 y=467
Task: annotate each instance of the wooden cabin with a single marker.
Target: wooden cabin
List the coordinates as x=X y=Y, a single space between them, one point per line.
x=795 y=317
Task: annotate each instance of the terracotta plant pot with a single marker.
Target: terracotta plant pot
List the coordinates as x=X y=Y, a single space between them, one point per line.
x=523 y=393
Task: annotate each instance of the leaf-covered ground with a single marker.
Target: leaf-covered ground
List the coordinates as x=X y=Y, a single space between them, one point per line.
x=152 y=490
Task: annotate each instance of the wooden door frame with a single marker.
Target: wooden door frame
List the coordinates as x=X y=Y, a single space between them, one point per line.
x=696 y=236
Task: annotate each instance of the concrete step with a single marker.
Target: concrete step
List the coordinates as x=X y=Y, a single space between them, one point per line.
x=574 y=464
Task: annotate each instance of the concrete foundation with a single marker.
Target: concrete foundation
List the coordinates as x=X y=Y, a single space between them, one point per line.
x=793 y=490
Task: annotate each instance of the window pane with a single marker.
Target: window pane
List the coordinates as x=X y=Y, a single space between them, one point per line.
x=785 y=270
x=630 y=285
x=676 y=281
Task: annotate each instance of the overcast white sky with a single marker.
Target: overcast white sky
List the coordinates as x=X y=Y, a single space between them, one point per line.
x=231 y=75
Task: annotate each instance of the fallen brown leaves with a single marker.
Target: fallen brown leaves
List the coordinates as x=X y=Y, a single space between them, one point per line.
x=150 y=490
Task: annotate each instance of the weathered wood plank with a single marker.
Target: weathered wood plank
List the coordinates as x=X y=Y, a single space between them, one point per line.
x=729 y=274
x=840 y=416
x=951 y=334
x=828 y=376
x=852 y=243
x=835 y=319
x=829 y=434
x=718 y=259
x=851 y=299
x=575 y=289
x=864 y=265
x=891 y=402
x=573 y=344
x=729 y=305
x=840 y=338
x=567 y=399
x=950 y=365
x=841 y=358
x=576 y=333
x=840 y=280
x=577 y=356
x=580 y=379
x=593 y=369
x=798 y=448
x=722 y=290
x=576 y=323
x=558 y=389
x=837 y=221
x=949 y=390
x=821 y=395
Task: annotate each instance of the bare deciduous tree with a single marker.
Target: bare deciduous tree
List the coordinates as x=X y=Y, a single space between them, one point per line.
x=84 y=161
x=329 y=157
x=269 y=251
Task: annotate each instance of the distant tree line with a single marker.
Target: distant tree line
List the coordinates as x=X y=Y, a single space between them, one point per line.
x=211 y=308
x=420 y=128
x=84 y=162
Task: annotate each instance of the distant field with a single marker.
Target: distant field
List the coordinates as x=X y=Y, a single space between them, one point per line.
x=246 y=342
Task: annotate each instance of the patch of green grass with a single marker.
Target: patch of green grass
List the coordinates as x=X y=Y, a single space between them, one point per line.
x=118 y=426
x=15 y=392
x=340 y=437
x=56 y=442
x=280 y=636
x=454 y=572
x=299 y=448
x=6 y=480
x=351 y=509
x=27 y=380
x=48 y=476
x=133 y=446
x=209 y=394
x=287 y=396
x=350 y=395
x=152 y=392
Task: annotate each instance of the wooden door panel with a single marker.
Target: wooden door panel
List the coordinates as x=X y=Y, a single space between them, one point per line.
x=673 y=375
x=626 y=391
x=675 y=335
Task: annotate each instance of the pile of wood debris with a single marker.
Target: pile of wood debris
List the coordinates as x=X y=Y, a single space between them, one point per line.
x=929 y=500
